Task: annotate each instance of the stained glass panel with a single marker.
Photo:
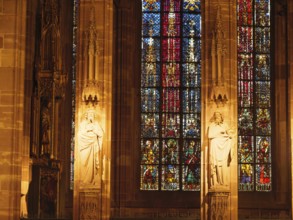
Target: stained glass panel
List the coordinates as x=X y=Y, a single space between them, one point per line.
x=263 y=177
x=151 y=5
x=170 y=152
x=150 y=125
x=246 y=149
x=151 y=75
x=151 y=25
x=191 y=50
x=191 y=168
x=191 y=5
x=191 y=25
x=191 y=74
x=245 y=39
x=245 y=93
x=254 y=95
x=245 y=12
x=149 y=177
x=246 y=177
x=263 y=149
x=150 y=100
x=191 y=126
x=191 y=100
x=170 y=177
x=170 y=95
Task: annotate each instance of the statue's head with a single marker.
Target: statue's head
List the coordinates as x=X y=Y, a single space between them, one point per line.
x=90 y=115
x=217 y=118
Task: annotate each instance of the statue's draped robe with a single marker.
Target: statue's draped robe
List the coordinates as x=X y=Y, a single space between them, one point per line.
x=90 y=144
x=220 y=147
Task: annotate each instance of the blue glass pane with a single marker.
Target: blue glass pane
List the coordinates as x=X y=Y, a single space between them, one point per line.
x=150 y=49
x=150 y=100
x=151 y=24
x=191 y=100
x=191 y=25
x=151 y=5
x=191 y=50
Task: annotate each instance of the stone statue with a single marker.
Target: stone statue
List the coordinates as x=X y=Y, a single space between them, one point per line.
x=45 y=127
x=90 y=144
x=219 y=151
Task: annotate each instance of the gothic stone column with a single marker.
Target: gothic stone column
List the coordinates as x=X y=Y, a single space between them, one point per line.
x=219 y=111
x=93 y=110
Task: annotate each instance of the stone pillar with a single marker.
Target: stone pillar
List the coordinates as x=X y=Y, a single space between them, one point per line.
x=289 y=39
x=219 y=111
x=12 y=69
x=93 y=110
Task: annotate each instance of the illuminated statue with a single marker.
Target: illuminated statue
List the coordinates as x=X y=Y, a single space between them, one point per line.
x=90 y=144
x=220 y=150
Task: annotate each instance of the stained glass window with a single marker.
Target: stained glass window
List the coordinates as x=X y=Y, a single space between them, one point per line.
x=254 y=96
x=170 y=95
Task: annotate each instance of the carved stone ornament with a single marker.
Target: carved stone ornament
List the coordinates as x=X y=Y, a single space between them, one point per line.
x=218 y=205
x=89 y=205
x=218 y=92
x=91 y=65
x=60 y=81
x=90 y=93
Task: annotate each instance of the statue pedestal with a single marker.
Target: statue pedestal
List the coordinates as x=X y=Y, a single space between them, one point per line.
x=90 y=202
x=218 y=204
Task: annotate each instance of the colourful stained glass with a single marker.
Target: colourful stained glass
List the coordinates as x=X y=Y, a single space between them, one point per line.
x=149 y=177
x=263 y=177
x=150 y=151
x=254 y=95
x=246 y=177
x=170 y=177
x=170 y=151
x=150 y=100
x=191 y=100
x=191 y=168
x=150 y=125
x=263 y=149
x=191 y=126
x=170 y=95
